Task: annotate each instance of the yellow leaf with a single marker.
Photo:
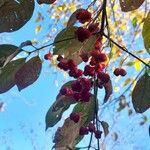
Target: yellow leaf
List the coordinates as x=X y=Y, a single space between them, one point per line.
x=38 y=29
x=116 y=89
x=137 y=65
x=127 y=81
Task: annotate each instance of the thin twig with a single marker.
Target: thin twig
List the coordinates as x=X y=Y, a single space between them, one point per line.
x=125 y=50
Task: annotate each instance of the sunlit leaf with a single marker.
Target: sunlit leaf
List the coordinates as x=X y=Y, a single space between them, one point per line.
x=65 y=43
x=140 y=94
x=138 y=65
x=38 y=29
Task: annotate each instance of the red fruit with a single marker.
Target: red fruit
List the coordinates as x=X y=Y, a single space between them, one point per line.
x=102 y=57
x=92 y=61
x=89 y=70
x=63 y=65
x=95 y=53
x=48 y=56
x=71 y=64
x=91 y=127
x=59 y=58
x=98 y=134
x=82 y=34
x=86 y=84
x=75 y=117
x=117 y=71
x=76 y=86
x=83 y=131
x=104 y=77
x=83 y=16
x=79 y=73
x=99 y=67
x=66 y=91
x=84 y=56
x=85 y=96
x=122 y=72
x=93 y=27
x=77 y=96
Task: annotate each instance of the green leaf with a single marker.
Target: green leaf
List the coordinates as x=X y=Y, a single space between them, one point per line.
x=5 y=51
x=134 y=22
x=87 y=111
x=72 y=46
x=68 y=134
x=28 y=73
x=7 y=74
x=140 y=94
x=15 y=14
x=56 y=111
x=146 y=33
x=130 y=5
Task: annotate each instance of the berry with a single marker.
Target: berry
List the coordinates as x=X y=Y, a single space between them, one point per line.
x=85 y=96
x=75 y=117
x=63 y=65
x=91 y=127
x=66 y=91
x=86 y=84
x=82 y=34
x=71 y=64
x=98 y=134
x=84 y=56
x=122 y=72
x=83 y=16
x=102 y=57
x=117 y=71
x=59 y=58
x=93 y=27
x=104 y=77
x=99 y=67
x=89 y=70
x=76 y=86
x=77 y=96
x=83 y=131
x=48 y=56
x=92 y=61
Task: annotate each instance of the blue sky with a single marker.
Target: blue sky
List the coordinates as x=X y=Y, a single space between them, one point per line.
x=22 y=124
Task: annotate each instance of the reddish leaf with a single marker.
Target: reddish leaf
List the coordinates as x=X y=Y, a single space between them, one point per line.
x=28 y=73
x=66 y=135
x=108 y=90
x=129 y=5
x=72 y=20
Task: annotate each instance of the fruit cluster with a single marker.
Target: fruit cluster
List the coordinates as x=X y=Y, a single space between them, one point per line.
x=84 y=33
x=84 y=130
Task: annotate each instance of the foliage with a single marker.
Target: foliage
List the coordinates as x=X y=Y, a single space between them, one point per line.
x=104 y=28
